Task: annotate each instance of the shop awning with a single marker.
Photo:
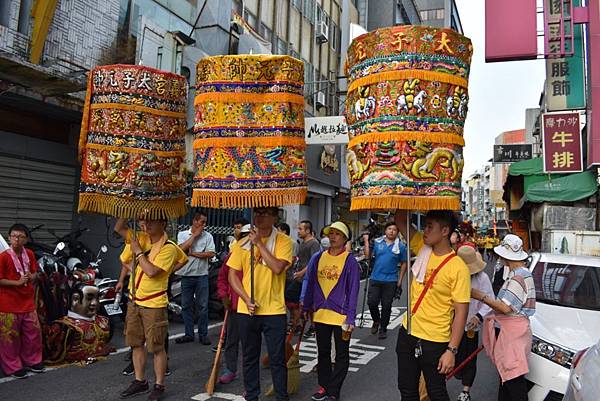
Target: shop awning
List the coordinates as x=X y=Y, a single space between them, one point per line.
x=527 y=182
x=527 y=167
x=568 y=188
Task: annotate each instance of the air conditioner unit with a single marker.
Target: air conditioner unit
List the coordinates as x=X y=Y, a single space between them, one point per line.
x=322 y=32
x=321 y=102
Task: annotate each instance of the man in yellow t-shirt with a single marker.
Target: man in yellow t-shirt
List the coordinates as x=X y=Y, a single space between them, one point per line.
x=437 y=324
x=154 y=257
x=266 y=313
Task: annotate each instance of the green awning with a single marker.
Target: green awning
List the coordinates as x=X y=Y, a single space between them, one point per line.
x=527 y=167
x=568 y=188
x=532 y=171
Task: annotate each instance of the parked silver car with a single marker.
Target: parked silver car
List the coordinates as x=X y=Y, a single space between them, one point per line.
x=585 y=371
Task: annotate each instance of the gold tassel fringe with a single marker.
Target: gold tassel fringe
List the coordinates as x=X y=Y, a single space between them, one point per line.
x=248 y=198
x=405 y=203
x=406 y=74
x=279 y=97
x=431 y=137
x=132 y=208
x=261 y=141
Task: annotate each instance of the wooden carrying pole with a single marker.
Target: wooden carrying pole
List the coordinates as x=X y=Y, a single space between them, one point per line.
x=408 y=276
x=252 y=258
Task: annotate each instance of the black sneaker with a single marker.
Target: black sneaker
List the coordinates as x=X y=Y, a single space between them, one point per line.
x=204 y=340
x=320 y=395
x=184 y=339
x=382 y=335
x=168 y=372
x=37 y=368
x=215 y=348
x=156 y=393
x=375 y=328
x=20 y=374
x=128 y=371
x=136 y=388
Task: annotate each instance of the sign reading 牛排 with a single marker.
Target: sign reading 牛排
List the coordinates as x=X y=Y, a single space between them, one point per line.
x=562 y=142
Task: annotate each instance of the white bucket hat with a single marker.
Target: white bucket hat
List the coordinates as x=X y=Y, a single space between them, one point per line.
x=511 y=248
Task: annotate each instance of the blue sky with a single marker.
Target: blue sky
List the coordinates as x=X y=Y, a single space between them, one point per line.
x=499 y=92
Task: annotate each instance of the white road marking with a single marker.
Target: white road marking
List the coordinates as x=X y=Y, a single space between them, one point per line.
x=395 y=318
x=218 y=396
x=119 y=351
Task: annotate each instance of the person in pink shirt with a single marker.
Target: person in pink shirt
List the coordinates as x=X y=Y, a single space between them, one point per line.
x=507 y=332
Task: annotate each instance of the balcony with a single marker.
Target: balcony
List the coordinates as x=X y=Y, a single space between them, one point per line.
x=52 y=77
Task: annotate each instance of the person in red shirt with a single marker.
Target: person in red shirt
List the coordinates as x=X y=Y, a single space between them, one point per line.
x=20 y=334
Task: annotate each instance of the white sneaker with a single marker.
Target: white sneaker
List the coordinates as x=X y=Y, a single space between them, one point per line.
x=464 y=396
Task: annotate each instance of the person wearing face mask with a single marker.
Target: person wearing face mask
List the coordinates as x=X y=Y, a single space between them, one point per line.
x=507 y=331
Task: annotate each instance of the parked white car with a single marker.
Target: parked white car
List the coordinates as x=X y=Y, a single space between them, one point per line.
x=567 y=320
x=584 y=384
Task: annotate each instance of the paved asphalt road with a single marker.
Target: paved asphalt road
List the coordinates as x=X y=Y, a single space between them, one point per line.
x=372 y=373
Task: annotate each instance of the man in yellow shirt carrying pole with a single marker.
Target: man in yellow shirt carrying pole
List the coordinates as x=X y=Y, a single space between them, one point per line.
x=154 y=257
x=439 y=302
x=266 y=313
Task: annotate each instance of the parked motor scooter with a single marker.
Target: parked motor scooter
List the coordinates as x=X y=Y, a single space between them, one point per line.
x=109 y=304
x=53 y=288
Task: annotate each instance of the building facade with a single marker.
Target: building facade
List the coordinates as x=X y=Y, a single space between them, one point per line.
x=384 y=13
x=439 y=13
x=45 y=54
x=41 y=102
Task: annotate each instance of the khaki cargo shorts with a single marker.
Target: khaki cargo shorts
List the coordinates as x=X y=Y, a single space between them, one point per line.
x=146 y=326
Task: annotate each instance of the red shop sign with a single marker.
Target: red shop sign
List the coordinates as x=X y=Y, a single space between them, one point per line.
x=562 y=142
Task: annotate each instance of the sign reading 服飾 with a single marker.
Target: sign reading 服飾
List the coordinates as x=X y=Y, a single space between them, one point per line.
x=565 y=71
x=326 y=130
x=512 y=153
x=562 y=142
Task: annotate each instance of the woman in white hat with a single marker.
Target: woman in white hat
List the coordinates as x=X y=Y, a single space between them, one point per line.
x=506 y=332
x=477 y=311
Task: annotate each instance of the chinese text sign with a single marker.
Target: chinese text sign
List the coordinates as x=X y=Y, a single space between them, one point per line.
x=562 y=143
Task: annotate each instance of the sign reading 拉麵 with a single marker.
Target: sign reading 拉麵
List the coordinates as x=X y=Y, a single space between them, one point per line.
x=326 y=130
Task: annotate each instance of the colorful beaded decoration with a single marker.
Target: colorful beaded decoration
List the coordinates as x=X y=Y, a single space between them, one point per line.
x=132 y=143
x=406 y=108
x=249 y=132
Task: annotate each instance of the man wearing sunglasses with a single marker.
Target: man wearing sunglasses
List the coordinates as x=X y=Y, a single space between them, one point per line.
x=266 y=313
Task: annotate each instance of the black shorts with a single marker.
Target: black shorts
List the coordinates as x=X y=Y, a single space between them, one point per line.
x=293 y=288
